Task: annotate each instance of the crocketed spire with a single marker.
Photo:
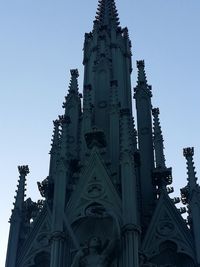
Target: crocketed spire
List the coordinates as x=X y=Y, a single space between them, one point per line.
x=73 y=88
x=56 y=137
x=187 y=191
x=141 y=73
x=23 y=171
x=158 y=139
x=107 y=13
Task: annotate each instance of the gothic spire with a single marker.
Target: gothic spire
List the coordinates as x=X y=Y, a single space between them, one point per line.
x=64 y=121
x=55 y=148
x=142 y=97
x=16 y=218
x=187 y=191
x=142 y=80
x=107 y=13
x=190 y=195
x=59 y=196
x=192 y=180
x=162 y=174
x=73 y=87
x=56 y=137
x=142 y=84
x=19 y=199
x=158 y=140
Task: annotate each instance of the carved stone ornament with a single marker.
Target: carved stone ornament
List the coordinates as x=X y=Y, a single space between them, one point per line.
x=43 y=240
x=165 y=228
x=102 y=104
x=58 y=236
x=94 y=190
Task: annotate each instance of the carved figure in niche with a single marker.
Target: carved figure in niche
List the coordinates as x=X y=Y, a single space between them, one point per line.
x=95 y=253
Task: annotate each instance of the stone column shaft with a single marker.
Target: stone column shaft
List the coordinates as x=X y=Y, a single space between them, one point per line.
x=130 y=246
x=57 y=249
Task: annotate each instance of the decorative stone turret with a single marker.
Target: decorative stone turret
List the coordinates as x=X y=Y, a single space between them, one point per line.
x=191 y=196
x=73 y=86
x=192 y=180
x=16 y=218
x=55 y=149
x=72 y=107
x=46 y=187
x=23 y=171
x=162 y=174
x=145 y=141
x=158 y=140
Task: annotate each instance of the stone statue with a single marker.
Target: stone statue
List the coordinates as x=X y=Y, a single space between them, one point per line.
x=95 y=254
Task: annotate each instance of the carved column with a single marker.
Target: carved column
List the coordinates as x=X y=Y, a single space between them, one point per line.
x=61 y=181
x=130 y=255
x=114 y=127
x=57 y=249
x=130 y=230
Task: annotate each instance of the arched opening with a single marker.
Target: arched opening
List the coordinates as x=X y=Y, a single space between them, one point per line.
x=169 y=256
x=42 y=259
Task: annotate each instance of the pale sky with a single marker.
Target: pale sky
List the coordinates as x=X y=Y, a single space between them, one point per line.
x=41 y=40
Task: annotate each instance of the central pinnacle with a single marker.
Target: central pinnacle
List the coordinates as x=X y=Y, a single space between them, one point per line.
x=107 y=13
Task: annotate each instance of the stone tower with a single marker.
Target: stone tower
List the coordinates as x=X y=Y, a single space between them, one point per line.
x=106 y=198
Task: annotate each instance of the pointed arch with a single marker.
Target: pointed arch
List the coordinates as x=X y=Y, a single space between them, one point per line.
x=170 y=256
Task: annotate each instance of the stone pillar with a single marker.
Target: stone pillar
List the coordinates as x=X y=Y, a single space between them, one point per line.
x=145 y=141
x=57 y=249
x=130 y=230
x=130 y=255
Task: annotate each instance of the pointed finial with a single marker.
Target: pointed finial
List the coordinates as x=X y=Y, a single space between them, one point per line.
x=162 y=174
x=142 y=80
x=63 y=119
x=106 y=15
x=188 y=154
x=23 y=170
x=73 y=86
x=19 y=199
x=142 y=85
x=158 y=139
x=186 y=192
x=56 y=137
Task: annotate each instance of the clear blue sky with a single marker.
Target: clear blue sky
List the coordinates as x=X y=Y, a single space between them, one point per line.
x=40 y=41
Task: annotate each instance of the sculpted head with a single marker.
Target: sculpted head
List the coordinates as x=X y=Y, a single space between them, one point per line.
x=94 y=242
